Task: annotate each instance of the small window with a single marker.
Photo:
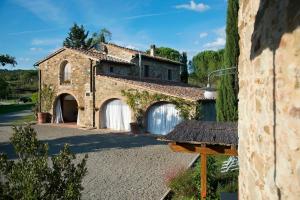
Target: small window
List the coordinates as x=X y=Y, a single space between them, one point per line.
x=169 y=74
x=65 y=72
x=146 y=71
x=111 y=69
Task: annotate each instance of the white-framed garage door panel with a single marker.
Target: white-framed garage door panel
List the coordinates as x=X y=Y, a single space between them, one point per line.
x=117 y=115
x=162 y=118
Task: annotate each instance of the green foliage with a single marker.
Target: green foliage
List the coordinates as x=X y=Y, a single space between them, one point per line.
x=186 y=185
x=140 y=101
x=35 y=97
x=31 y=176
x=226 y=103
x=4 y=89
x=167 y=52
x=205 y=62
x=104 y=35
x=21 y=83
x=7 y=59
x=184 y=72
x=78 y=38
x=47 y=97
x=4 y=109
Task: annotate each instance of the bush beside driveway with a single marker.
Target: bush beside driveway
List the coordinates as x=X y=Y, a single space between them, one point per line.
x=120 y=166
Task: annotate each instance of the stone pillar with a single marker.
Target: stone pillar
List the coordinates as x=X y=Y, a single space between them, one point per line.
x=269 y=99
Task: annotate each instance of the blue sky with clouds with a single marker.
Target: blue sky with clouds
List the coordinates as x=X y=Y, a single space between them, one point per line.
x=31 y=29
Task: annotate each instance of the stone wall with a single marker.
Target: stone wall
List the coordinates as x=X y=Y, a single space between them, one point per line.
x=80 y=81
x=269 y=99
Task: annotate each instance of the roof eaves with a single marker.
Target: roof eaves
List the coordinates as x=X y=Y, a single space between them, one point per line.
x=49 y=56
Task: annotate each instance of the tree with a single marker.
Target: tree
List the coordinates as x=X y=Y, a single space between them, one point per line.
x=7 y=59
x=32 y=176
x=227 y=104
x=78 y=38
x=205 y=62
x=104 y=35
x=184 y=72
x=167 y=52
x=4 y=89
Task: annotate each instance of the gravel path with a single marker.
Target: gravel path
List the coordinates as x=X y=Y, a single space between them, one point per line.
x=120 y=166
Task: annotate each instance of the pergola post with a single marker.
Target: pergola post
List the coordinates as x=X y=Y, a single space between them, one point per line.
x=203 y=175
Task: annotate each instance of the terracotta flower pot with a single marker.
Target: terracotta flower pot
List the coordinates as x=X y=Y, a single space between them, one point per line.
x=135 y=129
x=42 y=117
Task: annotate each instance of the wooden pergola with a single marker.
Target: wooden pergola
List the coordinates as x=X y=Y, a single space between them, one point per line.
x=204 y=138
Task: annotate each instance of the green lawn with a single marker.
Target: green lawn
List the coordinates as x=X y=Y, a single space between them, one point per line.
x=15 y=107
x=25 y=119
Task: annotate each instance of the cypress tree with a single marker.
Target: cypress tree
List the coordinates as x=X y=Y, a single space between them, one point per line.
x=227 y=98
x=184 y=72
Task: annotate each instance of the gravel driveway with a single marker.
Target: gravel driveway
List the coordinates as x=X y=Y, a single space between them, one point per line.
x=120 y=166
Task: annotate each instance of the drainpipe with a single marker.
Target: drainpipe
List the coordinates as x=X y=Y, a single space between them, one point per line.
x=140 y=65
x=40 y=88
x=92 y=88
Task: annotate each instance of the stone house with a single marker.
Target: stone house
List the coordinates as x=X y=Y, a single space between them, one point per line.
x=88 y=86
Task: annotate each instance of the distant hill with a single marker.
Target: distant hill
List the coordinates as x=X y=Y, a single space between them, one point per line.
x=20 y=82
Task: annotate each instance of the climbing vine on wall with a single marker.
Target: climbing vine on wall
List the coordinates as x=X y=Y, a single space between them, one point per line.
x=139 y=101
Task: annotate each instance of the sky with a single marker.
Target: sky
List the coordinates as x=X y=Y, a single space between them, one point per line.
x=32 y=29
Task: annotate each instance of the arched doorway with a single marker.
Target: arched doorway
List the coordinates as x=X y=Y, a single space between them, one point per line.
x=116 y=115
x=162 y=118
x=66 y=109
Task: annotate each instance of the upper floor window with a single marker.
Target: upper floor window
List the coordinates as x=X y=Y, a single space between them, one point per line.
x=65 y=72
x=111 y=69
x=169 y=74
x=146 y=71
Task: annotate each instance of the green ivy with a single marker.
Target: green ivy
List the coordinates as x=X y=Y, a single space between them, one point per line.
x=139 y=101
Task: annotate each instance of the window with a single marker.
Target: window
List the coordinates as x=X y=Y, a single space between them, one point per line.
x=169 y=74
x=65 y=72
x=111 y=69
x=146 y=71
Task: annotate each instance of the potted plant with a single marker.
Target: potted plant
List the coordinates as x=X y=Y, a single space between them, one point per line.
x=136 y=126
x=47 y=96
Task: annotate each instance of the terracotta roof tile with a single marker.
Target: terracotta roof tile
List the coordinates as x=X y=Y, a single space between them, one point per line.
x=145 y=54
x=98 y=55
x=176 y=89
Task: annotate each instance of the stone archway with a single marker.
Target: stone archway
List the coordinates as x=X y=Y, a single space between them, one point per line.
x=65 y=109
x=115 y=115
x=161 y=118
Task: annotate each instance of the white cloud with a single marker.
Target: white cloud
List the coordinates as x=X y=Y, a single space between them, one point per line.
x=202 y=35
x=46 y=41
x=220 y=32
x=44 y=10
x=200 y=7
x=218 y=43
x=36 y=49
x=148 y=15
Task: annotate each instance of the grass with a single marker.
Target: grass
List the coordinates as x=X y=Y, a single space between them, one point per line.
x=25 y=119
x=4 y=109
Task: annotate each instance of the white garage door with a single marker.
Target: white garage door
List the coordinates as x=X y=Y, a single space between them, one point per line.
x=162 y=118
x=117 y=116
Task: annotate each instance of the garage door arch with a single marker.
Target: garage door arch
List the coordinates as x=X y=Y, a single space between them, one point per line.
x=162 y=117
x=115 y=115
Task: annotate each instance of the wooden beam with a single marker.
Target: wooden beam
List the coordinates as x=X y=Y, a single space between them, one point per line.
x=208 y=149
x=203 y=176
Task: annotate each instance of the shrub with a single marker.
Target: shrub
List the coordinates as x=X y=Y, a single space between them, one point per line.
x=31 y=176
x=186 y=185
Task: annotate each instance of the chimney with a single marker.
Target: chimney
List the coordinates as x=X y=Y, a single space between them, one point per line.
x=152 y=50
